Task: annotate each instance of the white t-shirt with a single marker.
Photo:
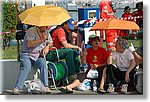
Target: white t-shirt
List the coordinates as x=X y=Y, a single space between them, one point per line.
x=123 y=59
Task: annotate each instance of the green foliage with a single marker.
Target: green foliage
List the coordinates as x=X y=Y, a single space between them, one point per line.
x=9 y=12
x=9 y=35
x=140 y=34
x=10 y=53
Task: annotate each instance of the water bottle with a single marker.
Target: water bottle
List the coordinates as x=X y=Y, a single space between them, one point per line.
x=83 y=46
x=94 y=86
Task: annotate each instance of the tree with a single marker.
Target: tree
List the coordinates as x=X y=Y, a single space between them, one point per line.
x=9 y=13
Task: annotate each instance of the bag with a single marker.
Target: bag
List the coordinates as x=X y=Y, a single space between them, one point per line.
x=92 y=73
x=85 y=85
x=20 y=35
x=21 y=31
x=35 y=86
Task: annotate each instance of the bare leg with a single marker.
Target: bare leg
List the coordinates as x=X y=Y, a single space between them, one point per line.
x=74 y=84
x=103 y=79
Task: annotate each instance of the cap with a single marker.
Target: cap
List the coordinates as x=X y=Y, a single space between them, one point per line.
x=93 y=36
x=71 y=23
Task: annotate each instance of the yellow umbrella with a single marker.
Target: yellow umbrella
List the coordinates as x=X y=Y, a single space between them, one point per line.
x=44 y=15
x=115 y=24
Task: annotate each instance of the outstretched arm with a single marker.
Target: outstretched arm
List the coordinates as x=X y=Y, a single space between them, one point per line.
x=131 y=66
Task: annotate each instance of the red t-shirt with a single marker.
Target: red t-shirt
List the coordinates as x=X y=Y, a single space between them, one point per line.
x=125 y=15
x=58 y=36
x=136 y=14
x=98 y=56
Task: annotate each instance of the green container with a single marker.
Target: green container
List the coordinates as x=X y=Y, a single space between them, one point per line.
x=60 y=69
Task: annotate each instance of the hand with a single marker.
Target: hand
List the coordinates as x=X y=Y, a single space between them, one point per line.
x=127 y=79
x=74 y=34
x=50 y=45
x=131 y=48
x=95 y=66
x=113 y=49
x=79 y=49
x=84 y=53
x=43 y=37
x=46 y=50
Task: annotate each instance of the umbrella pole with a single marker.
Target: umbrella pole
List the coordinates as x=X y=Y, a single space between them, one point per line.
x=18 y=47
x=17 y=12
x=101 y=38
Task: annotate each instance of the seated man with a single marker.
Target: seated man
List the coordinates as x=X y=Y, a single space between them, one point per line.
x=125 y=66
x=138 y=55
x=66 y=50
x=35 y=43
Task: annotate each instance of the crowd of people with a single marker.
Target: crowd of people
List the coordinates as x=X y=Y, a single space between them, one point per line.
x=38 y=43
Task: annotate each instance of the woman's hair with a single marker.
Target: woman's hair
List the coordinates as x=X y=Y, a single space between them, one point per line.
x=123 y=43
x=126 y=8
x=139 y=3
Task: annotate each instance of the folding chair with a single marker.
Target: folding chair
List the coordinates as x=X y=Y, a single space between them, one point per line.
x=57 y=71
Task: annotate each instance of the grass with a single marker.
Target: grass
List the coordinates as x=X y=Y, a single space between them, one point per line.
x=11 y=53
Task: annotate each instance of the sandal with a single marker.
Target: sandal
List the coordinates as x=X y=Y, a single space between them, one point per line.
x=102 y=91
x=65 y=90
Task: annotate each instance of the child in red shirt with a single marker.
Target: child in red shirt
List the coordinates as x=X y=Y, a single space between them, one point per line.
x=96 y=58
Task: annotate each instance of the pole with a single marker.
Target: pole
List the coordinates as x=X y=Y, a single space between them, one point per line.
x=67 y=4
x=18 y=47
x=17 y=13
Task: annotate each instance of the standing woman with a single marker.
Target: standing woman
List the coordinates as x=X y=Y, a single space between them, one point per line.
x=127 y=12
x=139 y=14
x=126 y=15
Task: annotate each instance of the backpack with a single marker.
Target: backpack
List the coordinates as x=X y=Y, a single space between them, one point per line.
x=21 y=31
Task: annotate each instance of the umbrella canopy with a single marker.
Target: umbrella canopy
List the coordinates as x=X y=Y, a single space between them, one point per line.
x=115 y=24
x=44 y=15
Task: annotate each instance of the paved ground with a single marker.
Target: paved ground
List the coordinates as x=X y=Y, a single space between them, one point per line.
x=75 y=92
x=88 y=92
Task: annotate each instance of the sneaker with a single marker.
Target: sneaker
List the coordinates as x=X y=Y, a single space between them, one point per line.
x=124 y=88
x=15 y=91
x=47 y=90
x=111 y=88
x=139 y=89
